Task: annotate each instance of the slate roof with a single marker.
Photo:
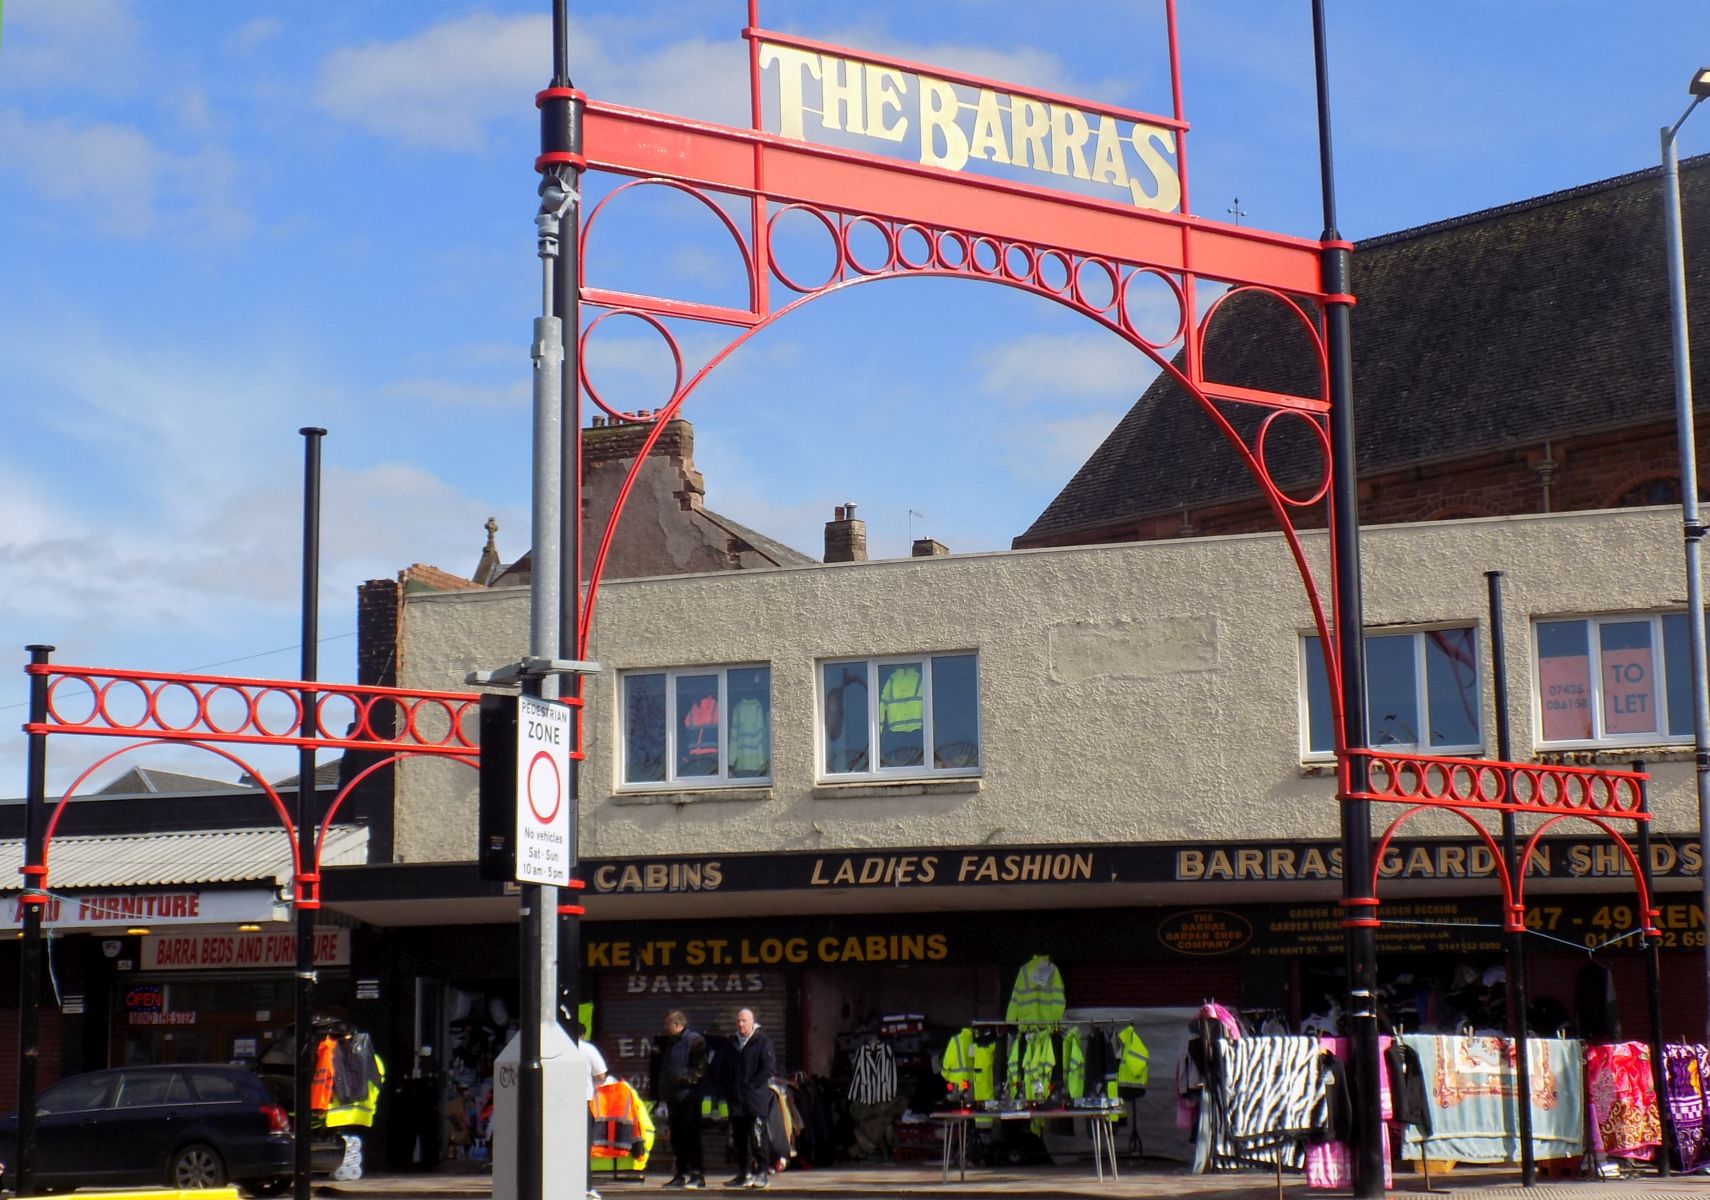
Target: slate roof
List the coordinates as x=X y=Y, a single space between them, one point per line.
x=139 y=781
x=1539 y=319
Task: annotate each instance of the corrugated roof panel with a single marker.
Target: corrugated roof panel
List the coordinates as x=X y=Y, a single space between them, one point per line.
x=163 y=859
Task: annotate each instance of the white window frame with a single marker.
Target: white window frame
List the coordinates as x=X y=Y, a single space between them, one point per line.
x=1421 y=692
x=922 y=770
x=1594 y=644
x=672 y=781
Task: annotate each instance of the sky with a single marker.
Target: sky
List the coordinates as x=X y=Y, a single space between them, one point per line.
x=222 y=222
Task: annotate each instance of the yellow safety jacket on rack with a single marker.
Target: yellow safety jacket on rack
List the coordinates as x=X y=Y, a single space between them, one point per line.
x=1074 y=1065
x=1134 y=1067
x=971 y=1063
x=1032 y=1059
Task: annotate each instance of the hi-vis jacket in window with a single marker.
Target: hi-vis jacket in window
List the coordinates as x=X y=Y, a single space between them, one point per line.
x=1037 y=998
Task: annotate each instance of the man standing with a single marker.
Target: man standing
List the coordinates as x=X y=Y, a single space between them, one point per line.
x=750 y=1100
x=679 y=1062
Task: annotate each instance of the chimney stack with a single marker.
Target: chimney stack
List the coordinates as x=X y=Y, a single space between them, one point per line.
x=845 y=536
x=929 y=548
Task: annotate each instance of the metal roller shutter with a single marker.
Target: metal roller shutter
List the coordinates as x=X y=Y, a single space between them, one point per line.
x=631 y=1008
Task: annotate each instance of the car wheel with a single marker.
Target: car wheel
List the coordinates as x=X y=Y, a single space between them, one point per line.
x=196 y=1166
x=268 y=1187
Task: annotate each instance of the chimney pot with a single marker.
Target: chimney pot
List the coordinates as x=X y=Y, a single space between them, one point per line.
x=929 y=548
x=845 y=537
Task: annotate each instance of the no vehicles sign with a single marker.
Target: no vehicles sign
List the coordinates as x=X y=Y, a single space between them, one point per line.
x=543 y=791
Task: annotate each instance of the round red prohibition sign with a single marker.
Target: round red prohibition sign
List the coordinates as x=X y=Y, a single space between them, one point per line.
x=538 y=782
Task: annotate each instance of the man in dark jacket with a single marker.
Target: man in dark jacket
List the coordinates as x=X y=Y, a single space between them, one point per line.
x=679 y=1062
x=750 y=1099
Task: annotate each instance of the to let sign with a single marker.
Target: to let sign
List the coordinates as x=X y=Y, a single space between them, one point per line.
x=543 y=790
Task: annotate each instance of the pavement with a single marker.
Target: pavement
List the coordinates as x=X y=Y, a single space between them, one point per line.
x=1146 y=1180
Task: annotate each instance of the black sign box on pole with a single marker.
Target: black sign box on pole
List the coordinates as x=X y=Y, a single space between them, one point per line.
x=496 y=820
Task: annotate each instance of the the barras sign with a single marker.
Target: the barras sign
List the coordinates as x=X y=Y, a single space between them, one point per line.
x=954 y=122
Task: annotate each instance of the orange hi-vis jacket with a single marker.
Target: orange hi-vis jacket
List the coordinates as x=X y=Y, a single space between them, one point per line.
x=321 y=1080
x=617 y=1120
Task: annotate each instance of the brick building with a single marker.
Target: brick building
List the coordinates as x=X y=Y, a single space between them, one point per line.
x=1515 y=360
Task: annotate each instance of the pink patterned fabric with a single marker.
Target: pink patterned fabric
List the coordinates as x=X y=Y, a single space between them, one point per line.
x=1622 y=1093
x=1330 y=1165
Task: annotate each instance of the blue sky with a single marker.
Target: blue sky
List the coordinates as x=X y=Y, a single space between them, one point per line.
x=221 y=222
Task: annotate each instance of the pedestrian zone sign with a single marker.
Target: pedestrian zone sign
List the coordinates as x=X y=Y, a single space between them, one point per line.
x=543 y=791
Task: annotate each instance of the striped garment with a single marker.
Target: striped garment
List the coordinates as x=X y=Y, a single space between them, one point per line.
x=1271 y=1094
x=875 y=1075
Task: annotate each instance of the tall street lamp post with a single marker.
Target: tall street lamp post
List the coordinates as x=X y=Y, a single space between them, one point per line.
x=1693 y=527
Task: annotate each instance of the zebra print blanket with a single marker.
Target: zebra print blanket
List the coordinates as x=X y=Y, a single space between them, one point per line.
x=1270 y=1095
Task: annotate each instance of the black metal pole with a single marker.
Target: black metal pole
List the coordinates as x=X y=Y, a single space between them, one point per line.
x=1516 y=940
x=1359 y=905
x=30 y=953
x=567 y=307
x=306 y=902
x=1653 y=981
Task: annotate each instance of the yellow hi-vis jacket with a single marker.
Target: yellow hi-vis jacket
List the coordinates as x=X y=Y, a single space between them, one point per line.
x=361 y=1110
x=1037 y=998
x=1134 y=1068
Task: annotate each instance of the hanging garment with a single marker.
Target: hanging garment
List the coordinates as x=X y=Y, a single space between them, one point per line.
x=1407 y=1087
x=641 y=1147
x=1622 y=1094
x=355 y=1065
x=901 y=704
x=617 y=1122
x=321 y=1079
x=1074 y=1065
x=1032 y=1061
x=874 y=1074
x=1684 y=1075
x=1330 y=1158
x=700 y=724
x=1037 y=997
x=750 y=755
x=1272 y=1095
x=1594 y=1001
x=1134 y=1066
x=1470 y=1084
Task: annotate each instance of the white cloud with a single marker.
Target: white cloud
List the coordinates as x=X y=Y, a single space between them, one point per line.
x=126 y=184
x=254 y=34
x=1055 y=368
x=1049 y=452
x=445 y=86
x=442 y=86
x=86 y=43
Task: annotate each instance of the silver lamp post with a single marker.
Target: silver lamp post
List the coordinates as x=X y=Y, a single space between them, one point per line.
x=1693 y=527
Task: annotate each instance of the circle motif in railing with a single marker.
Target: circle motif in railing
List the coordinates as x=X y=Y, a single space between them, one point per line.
x=82 y=693
x=123 y=696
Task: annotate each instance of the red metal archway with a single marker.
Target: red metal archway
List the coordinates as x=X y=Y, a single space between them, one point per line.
x=1081 y=251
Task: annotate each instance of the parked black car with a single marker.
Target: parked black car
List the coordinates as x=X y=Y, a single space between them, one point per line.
x=184 y=1126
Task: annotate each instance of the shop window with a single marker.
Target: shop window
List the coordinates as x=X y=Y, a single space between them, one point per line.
x=696 y=726
x=1614 y=680
x=905 y=716
x=1422 y=693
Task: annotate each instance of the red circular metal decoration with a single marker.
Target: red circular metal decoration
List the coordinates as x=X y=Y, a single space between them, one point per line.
x=1127 y=297
x=887 y=238
x=244 y=714
x=1054 y=272
x=1261 y=451
x=157 y=700
x=925 y=238
x=953 y=250
x=987 y=257
x=836 y=271
x=1020 y=264
x=648 y=319
x=294 y=712
x=134 y=691
x=53 y=699
x=1109 y=284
